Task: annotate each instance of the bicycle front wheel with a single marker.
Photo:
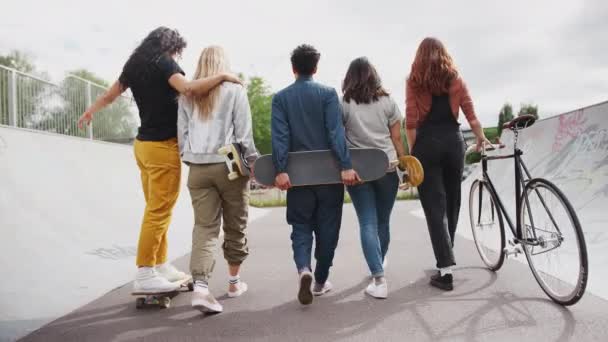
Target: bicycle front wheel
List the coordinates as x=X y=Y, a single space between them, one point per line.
x=487 y=225
x=553 y=242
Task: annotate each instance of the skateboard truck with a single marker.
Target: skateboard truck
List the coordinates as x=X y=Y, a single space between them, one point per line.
x=237 y=165
x=413 y=171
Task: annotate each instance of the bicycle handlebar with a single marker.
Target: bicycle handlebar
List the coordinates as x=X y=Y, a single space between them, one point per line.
x=484 y=148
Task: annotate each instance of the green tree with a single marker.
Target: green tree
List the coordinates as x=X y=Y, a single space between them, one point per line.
x=30 y=91
x=505 y=115
x=260 y=101
x=528 y=109
x=116 y=123
x=19 y=61
x=89 y=76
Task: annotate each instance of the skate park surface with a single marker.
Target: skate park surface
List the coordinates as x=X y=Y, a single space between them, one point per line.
x=70 y=211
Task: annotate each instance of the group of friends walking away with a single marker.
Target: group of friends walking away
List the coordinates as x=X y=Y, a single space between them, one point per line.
x=187 y=121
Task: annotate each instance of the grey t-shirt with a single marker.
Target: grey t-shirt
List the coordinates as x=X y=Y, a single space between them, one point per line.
x=368 y=125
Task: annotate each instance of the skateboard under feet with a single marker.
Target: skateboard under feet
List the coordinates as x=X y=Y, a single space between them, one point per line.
x=161 y=300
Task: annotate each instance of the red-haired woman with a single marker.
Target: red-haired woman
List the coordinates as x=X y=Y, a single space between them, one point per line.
x=434 y=95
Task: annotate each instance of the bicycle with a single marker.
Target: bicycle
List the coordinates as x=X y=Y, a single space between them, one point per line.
x=546 y=228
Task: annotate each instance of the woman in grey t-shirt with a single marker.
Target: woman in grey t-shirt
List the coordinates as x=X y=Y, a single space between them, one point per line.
x=372 y=120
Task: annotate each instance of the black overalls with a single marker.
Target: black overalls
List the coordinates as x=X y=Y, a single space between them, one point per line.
x=440 y=148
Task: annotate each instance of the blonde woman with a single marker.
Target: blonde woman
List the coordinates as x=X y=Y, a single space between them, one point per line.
x=206 y=123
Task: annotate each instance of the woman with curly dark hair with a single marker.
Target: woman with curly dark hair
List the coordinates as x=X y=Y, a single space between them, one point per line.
x=434 y=95
x=156 y=80
x=372 y=120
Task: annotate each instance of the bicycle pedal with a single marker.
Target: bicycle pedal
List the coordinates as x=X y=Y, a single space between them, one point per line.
x=513 y=250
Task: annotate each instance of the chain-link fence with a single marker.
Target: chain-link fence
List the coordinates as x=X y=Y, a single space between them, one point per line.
x=30 y=102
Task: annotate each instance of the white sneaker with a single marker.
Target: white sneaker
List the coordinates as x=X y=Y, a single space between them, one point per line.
x=241 y=288
x=319 y=291
x=203 y=300
x=171 y=273
x=149 y=281
x=377 y=290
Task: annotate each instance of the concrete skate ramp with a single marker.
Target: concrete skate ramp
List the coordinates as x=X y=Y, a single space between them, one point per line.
x=70 y=212
x=570 y=150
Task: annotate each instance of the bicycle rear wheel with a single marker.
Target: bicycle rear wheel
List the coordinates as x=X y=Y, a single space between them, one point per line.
x=553 y=242
x=487 y=225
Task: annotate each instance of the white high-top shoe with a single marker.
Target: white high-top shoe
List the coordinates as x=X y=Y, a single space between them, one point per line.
x=148 y=280
x=171 y=273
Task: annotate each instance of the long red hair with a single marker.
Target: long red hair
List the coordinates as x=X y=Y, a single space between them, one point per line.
x=433 y=69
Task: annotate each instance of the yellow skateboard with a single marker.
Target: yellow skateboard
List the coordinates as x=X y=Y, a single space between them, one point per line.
x=413 y=173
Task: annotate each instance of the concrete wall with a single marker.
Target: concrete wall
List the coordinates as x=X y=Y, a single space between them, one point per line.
x=571 y=150
x=70 y=212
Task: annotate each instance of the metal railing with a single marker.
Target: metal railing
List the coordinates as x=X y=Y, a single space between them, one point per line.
x=27 y=101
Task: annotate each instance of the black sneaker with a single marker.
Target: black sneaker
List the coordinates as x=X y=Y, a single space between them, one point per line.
x=304 y=293
x=445 y=282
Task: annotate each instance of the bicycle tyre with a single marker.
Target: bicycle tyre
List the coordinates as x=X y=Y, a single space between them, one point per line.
x=493 y=263
x=580 y=284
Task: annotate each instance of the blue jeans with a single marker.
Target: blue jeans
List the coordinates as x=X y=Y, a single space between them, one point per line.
x=374 y=202
x=315 y=212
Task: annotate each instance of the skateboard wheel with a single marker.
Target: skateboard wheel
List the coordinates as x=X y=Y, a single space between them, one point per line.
x=190 y=287
x=165 y=303
x=233 y=176
x=140 y=303
x=223 y=150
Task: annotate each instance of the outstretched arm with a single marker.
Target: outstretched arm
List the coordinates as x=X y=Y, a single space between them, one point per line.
x=108 y=97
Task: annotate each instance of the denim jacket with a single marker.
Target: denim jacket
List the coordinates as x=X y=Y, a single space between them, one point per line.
x=306 y=116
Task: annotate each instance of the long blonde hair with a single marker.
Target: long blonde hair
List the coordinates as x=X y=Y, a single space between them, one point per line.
x=212 y=61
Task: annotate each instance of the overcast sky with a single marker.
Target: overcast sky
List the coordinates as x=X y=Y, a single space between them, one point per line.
x=551 y=53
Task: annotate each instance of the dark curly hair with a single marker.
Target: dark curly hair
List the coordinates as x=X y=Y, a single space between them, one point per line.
x=161 y=41
x=304 y=59
x=362 y=83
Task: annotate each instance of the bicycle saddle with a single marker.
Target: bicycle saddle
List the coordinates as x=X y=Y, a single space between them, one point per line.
x=520 y=122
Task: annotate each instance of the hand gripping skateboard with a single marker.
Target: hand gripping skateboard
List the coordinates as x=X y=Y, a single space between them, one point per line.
x=162 y=299
x=413 y=173
x=236 y=162
x=321 y=167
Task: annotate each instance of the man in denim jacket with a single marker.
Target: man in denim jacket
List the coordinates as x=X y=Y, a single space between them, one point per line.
x=306 y=116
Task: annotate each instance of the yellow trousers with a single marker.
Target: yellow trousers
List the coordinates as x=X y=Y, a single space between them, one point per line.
x=160 y=167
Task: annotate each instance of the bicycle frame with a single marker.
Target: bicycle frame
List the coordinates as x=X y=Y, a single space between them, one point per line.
x=522 y=176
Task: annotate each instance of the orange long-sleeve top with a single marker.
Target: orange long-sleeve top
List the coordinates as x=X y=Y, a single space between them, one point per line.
x=418 y=103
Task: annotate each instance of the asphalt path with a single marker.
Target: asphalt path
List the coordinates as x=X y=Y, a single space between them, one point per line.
x=485 y=306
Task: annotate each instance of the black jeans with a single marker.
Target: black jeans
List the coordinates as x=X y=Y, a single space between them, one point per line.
x=315 y=210
x=441 y=153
